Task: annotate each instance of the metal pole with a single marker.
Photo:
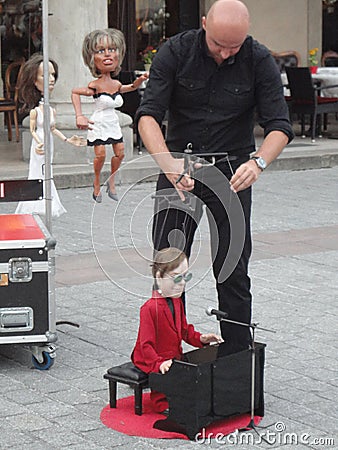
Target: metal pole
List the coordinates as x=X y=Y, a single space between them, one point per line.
x=46 y=117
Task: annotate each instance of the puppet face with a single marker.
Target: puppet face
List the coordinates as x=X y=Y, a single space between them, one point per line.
x=51 y=79
x=106 y=57
x=172 y=283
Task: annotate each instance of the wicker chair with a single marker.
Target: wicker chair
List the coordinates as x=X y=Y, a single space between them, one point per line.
x=9 y=104
x=329 y=59
x=289 y=58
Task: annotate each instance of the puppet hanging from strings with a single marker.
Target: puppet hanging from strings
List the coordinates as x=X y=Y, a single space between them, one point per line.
x=31 y=86
x=103 y=52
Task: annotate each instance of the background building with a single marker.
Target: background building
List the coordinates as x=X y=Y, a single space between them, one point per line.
x=281 y=25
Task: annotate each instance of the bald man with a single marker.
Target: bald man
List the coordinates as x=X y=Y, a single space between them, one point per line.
x=214 y=83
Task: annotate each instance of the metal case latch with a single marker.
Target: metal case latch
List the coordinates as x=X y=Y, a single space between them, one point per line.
x=20 y=270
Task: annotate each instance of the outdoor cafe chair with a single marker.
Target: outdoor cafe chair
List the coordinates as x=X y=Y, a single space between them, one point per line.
x=9 y=103
x=306 y=99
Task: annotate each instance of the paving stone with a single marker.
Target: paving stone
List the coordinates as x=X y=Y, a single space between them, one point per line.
x=24 y=396
x=9 y=407
x=73 y=396
x=58 y=439
x=11 y=437
x=50 y=408
x=28 y=422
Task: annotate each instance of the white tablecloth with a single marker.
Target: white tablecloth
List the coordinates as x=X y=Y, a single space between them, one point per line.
x=327 y=76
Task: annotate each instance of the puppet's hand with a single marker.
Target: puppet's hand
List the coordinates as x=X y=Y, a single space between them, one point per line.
x=165 y=366
x=210 y=337
x=139 y=80
x=78 y=141
x=39 y=149
x=83 y=123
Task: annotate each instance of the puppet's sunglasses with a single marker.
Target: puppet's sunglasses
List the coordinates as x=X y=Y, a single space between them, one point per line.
x=178 y=278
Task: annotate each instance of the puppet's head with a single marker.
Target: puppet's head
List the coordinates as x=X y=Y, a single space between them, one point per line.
x=31 y=80
x=101 y=39
x=170 y=271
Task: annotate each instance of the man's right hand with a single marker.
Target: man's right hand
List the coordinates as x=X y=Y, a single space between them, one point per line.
x=153 y=140
x=174 y=171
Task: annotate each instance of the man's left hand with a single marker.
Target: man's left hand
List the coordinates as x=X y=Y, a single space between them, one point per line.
x=245 y=176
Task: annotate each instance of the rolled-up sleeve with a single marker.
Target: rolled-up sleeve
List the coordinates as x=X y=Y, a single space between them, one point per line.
x=272 y=110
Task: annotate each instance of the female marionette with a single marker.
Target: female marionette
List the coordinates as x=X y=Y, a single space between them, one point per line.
x=31 y=93
x=103 y=52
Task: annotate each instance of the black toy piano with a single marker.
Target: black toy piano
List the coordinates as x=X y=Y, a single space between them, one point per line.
x=208 y=385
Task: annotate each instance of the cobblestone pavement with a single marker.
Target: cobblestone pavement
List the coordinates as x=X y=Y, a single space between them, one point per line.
x=102 y=279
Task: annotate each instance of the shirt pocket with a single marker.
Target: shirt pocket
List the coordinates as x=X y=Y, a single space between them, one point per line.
x=237 y=98
x=190 y=92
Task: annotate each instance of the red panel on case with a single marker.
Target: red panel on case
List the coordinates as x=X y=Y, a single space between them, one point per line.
x=19 y=227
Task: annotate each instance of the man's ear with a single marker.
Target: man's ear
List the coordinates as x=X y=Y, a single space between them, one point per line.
x=204 y=23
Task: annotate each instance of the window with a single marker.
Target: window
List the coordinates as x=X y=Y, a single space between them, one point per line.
x=146 y=24
x=21 y=30
x=151 y=23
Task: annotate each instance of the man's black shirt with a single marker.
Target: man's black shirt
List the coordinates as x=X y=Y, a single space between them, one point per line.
x=213 y=106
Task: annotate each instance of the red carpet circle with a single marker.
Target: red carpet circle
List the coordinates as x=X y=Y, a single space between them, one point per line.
x=123 y=420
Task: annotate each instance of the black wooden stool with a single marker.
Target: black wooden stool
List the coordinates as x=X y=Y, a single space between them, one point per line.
x=127 y=373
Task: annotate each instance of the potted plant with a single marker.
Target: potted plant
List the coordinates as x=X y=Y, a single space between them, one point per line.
x=148 y=55
x=313 y=61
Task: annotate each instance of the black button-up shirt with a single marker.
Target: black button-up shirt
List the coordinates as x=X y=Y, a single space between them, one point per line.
x=213 y=106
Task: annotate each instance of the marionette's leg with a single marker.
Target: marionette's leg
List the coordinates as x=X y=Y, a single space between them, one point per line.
x=115 y=164
x=159 y=401
x=100 y=156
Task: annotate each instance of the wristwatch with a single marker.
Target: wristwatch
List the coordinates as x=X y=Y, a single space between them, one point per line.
x=261 y=163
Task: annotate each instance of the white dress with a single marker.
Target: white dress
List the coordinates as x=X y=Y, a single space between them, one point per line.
x=106 y=128
x=37 y=171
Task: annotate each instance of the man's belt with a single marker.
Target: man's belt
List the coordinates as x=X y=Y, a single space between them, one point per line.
x=214 y=158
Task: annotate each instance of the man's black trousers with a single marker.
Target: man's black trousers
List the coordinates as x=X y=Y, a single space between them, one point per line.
x=228 y=215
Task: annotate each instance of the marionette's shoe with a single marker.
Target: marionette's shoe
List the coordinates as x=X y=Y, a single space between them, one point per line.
x=97 y=198
x=165 y=412
x=110 y=194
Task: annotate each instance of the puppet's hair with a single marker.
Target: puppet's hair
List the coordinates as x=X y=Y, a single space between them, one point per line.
x=29 y=95
x=167 y=260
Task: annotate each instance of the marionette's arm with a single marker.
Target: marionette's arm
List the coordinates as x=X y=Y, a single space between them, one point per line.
x=32 y=127
x=135 y=84
x=77 y=141
x=81 y=120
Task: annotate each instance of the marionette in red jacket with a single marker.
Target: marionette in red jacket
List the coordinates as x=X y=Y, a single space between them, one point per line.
x=163 y=323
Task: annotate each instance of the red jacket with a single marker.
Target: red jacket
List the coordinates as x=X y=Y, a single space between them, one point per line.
x=159 y=337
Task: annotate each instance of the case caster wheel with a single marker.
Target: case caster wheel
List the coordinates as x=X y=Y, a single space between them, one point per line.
x=43 y=357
